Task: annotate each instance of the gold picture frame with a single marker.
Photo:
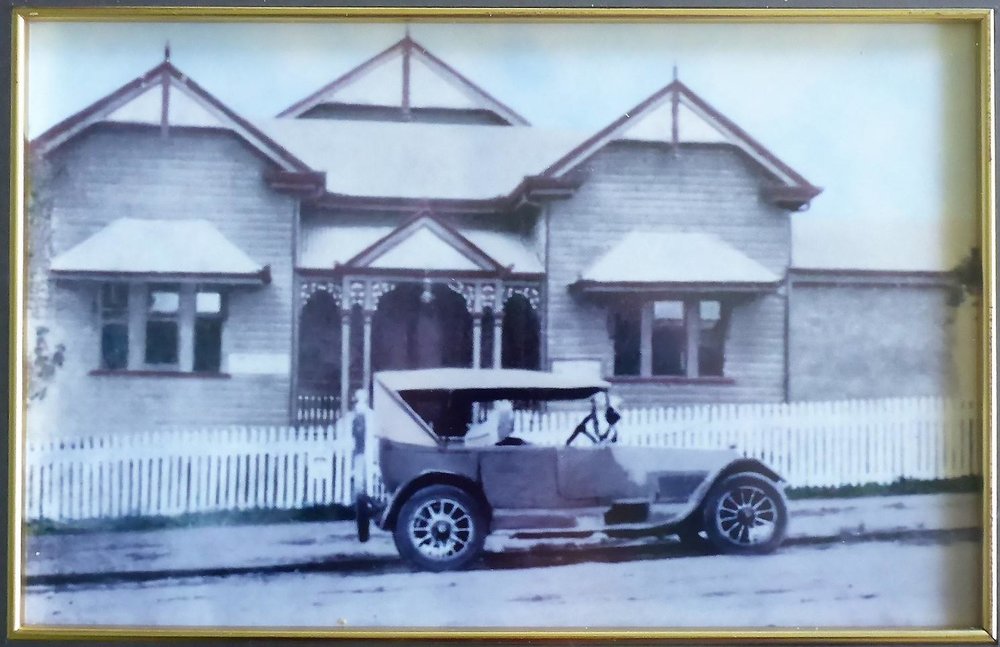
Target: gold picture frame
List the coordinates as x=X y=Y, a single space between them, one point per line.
x=24 y=17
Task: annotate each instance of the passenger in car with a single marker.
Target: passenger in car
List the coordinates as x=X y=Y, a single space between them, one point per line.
x=495 y=429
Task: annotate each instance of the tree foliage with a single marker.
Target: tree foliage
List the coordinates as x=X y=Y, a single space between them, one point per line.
x=968 y=276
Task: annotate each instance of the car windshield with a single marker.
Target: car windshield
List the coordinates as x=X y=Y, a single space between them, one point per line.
x=481 y=419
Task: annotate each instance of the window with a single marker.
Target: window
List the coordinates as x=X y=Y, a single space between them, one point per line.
x=114 y=326
x=670 y=338
x=628 y=342
x=162 y=338
x=173 y=327
x=207 y=332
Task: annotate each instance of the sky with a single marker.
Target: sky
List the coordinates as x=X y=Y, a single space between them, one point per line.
x=882 y=116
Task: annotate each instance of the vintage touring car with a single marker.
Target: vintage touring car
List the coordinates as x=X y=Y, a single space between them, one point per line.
x=454 y=474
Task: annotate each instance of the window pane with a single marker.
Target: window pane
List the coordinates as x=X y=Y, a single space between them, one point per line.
x=114 y=300
x=711 y=351
x=627 y=343
x=669 y=310
x=114 y=346
x=208 y=303
x=669 y=340
x=164 y=301
x=207 y=345
x=161 y=342
x=710 y=311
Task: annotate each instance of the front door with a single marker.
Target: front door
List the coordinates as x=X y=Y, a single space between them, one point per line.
x=418 y=326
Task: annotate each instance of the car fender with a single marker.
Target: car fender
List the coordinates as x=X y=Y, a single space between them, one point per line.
x=737 y=466
x=387 y=520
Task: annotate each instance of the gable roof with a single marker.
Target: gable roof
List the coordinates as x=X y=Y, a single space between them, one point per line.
x=165 y=96
x=425 y=243
x=406 y=75
x=676 y=115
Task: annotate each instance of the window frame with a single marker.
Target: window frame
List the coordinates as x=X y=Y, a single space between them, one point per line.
x=175 y=317
x=106 y=319
x=138 y=315
x=693 y=331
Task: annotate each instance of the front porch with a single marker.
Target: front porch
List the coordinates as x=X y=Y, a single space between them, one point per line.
x=353 y=325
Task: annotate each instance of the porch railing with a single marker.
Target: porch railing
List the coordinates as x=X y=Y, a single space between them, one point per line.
x=316 y=409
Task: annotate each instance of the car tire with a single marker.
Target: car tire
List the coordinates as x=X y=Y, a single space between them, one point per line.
x=440 y=528
x=745 y=514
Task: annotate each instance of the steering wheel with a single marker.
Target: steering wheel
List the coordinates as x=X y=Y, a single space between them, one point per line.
x=597 y=437
x=582 y=429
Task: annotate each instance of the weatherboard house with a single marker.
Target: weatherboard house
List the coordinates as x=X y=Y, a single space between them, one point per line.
x=202 y=267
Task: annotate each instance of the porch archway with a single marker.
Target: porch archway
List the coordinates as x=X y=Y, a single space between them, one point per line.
x=319 y=346
x=421 y=326
x=521 y=332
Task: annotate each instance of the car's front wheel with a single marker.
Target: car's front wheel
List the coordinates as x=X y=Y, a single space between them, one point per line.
x=745 y=514
x=440 y=528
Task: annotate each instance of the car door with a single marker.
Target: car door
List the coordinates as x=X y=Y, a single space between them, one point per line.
x=519 y=476
x=600 y=474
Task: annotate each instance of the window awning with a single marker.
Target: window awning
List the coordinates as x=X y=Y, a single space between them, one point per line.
x=174 y=250
x=659 y=261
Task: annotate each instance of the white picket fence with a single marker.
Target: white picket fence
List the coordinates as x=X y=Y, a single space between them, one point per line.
x=848 y=442
x=236 y=468
x=173 y=472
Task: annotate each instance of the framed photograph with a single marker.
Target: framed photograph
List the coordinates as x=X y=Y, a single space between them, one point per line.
x=534 y=323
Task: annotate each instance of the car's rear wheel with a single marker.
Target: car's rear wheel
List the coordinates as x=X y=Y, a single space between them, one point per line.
x=745 y=514
x=440 y=528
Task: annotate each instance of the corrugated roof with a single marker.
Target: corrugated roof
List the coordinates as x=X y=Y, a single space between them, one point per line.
x=665 y=258
x=158 y=247
x=423 y=161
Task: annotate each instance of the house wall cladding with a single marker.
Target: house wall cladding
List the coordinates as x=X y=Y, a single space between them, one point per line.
x=635 y=186
x=112 y=172
x=871 y=341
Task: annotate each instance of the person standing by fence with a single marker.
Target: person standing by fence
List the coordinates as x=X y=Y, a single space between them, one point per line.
x=360 y=429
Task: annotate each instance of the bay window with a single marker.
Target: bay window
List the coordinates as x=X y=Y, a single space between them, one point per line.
x=670 y=338
x=161 y=327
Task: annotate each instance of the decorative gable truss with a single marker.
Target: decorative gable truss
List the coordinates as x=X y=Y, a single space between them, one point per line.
x=426 y=244
x=165 y=97
x=409 y=77
x=676 y=115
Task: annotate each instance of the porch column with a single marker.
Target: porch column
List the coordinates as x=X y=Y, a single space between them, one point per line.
x=692 y=331
x=497 y=337
x=477 y=339
x=345 y=360
x=646 y=339
x=367 y=350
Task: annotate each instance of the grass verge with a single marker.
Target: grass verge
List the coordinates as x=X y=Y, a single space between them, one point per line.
x=902 y=486
x=341 y=512
x=191 y=520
